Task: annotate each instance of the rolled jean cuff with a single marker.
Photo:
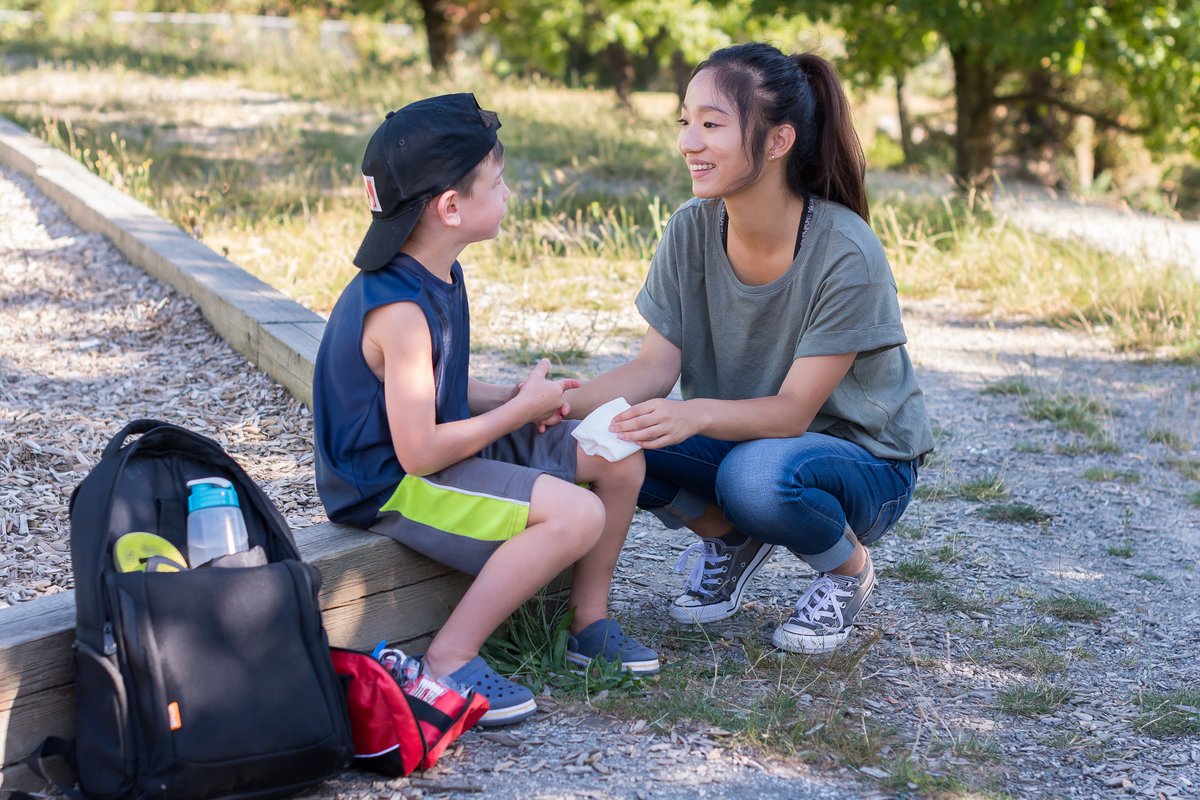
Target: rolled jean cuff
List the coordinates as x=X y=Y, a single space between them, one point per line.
x=684 y=508
x=832 y=558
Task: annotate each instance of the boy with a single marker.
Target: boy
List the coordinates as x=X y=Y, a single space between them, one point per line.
x=477 y=476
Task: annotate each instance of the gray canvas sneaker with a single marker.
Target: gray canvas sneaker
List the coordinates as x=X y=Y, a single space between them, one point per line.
x=825 y=612
x=717 y=579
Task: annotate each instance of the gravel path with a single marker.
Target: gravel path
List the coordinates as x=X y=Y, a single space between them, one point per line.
x=1139 y=237
x=967 y=621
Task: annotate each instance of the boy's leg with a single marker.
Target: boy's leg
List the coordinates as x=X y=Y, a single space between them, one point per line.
x=593 y=634
x=565 y=522
x=616 y=485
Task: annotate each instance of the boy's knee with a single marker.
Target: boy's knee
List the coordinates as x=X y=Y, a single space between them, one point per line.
x=583 y=518
x=574 y=512
x=629 y=471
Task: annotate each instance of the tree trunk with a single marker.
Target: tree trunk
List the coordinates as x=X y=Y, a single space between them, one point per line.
x=1039 y=135
x=906 y=142
x=439 y=33
x=681 y=74
x=975 y=134
x=1085 y=152
x=620 y=65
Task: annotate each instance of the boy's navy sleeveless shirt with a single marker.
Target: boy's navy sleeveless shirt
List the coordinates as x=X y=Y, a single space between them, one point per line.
x=356 y=464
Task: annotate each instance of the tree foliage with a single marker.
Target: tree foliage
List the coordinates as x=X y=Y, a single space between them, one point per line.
x=624 y=43
x=1130 y=66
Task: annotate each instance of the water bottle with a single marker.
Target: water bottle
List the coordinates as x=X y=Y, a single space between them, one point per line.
x=214 y=525
x=409 y=672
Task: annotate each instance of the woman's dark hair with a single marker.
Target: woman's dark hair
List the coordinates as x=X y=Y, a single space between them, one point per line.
x=768 y=89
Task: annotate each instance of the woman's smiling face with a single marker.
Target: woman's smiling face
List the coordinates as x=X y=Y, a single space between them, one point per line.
x=710 y=139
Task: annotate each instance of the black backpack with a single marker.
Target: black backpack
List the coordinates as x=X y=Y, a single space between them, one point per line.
x=210 y=682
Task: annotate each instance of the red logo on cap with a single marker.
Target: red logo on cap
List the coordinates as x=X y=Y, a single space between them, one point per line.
x=372 y=196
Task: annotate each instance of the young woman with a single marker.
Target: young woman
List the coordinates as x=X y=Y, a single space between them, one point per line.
x=771 y=300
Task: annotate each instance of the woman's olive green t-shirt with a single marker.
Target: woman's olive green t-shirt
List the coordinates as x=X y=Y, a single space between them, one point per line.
x=838 y=296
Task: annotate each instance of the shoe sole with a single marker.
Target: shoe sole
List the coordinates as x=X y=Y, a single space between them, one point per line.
x=809 y=643
x=649 y=667
x=510 y=715
x=715 y=612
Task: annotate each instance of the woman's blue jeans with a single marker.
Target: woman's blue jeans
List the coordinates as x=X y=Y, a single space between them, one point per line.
x=800 y=493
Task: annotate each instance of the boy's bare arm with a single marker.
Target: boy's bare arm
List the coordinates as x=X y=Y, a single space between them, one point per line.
x=651 y=373
x=396 y=337
x=483 y=397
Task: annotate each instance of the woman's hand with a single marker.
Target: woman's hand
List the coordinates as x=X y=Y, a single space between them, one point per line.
x=657 y=423
x=544 y=398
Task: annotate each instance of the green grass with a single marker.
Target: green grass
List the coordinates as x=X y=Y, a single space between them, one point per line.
x=1151 y=577
x=1188 y=468
x=1100 y=474
x=909 y=531
x=915 y=570
x=1032 y=700
x=1082 y=446
x=1074 y=608
x=785 y=705
x=1082 y=416
x=1014 y=512
x=1009 y=386
x=1017 y=637
x=1194 y=499
x=1171 y=439
x=986 y=487
x=1126 y=550
x=274 y=184
x=1027 y=649
x=1068 y=412
x=935 y=598
x=1170 y=714
x=533 y=648
x=1036 y=661
x=907 y=777
x=946 y=553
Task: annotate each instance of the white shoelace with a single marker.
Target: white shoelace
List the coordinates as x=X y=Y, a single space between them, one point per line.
x=822 y=601
x=707 y=569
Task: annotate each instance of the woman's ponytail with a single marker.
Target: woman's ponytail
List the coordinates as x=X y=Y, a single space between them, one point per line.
x=838 y=169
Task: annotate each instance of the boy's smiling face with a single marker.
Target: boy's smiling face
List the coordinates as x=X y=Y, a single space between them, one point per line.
x=484 y=208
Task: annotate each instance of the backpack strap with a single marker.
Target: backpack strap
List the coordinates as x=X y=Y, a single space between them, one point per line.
x=138 y=426
x=36 y=762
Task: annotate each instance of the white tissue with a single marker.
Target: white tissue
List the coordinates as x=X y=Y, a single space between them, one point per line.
x=597 y=440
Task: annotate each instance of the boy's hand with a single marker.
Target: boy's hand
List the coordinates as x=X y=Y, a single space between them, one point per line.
x=544 y=398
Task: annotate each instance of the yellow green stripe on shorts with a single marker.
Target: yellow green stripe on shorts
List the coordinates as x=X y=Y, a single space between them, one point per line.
x=476 y=515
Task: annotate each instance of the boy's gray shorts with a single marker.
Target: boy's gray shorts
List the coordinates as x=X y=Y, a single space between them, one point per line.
x=462 y=514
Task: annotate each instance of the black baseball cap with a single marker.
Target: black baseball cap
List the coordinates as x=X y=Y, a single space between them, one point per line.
x=417 y=153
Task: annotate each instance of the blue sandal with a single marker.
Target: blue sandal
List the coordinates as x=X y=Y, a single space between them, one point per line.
x=605 y=639
x=508 y=702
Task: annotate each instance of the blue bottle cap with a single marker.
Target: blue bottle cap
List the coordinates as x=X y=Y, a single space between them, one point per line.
x=211 y=492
